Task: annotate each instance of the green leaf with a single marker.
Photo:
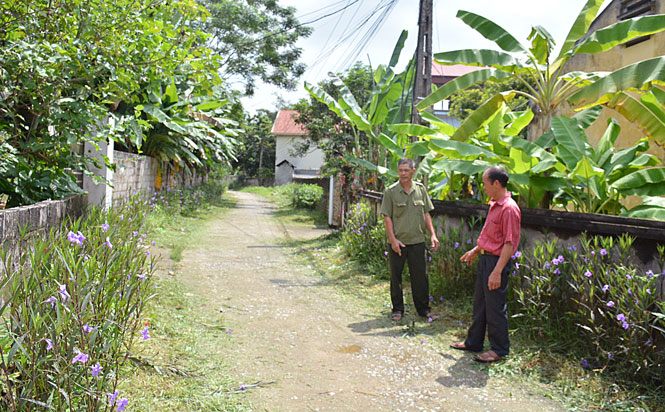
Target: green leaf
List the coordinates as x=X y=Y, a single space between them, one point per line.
x=586 y=117
x=322 y=96
x=465 y=167
x=459 y=150
x=480 y=57
x=586 y=170
x=646 y=212
x=621 y=32
x=410 y=129
x=349 y=104
x=518 y=124
x=491 y=31
x=641 y=75
x=459 y=83
x=482 y=115
x=572 y=142
x=372 y=167
x=605 y=146
x=579 y=29
x=418 y=149
x=170 y=95
x=390 y=144
x=398 y=48
x=443 y=127
x=645 y=182
x=647 y=113
x=542 y=44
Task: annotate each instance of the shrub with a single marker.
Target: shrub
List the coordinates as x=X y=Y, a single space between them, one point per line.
x=588 y=297
x=364 y=239
x=306 y=196
x=74 y=310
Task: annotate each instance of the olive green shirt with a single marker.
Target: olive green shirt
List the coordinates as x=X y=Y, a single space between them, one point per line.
x=407 y=211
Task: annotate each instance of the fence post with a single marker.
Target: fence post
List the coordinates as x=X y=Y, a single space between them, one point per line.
x=100 y=194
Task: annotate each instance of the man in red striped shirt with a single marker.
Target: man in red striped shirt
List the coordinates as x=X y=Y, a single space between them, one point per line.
x=497 y=242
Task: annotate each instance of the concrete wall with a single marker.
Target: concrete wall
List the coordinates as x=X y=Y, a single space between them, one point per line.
x=40 y=218
x=134 y=173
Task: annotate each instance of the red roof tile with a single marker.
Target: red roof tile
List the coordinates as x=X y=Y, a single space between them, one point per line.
x=453 y=70
x=286 y=126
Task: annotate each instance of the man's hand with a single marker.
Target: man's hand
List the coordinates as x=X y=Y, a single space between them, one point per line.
x=494 y=281
x=469 y=256
x=397 y=246
x=435 y=243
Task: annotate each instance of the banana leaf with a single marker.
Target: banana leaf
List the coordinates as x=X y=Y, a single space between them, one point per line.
x=621 y=32
x=645 y=182
x=481 y=57
x=646 y=113
x=572 y=142
x=579 y=29
x=491 y=31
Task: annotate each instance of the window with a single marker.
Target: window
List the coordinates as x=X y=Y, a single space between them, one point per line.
x=635 y=8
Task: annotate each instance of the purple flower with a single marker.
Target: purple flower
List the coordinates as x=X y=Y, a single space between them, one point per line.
x=649 y=273
x=517 y=265
x=81 y=357
x=429 y=320
x=625 y=325
x=121 y=404
x=135 y=233
x=431 y=298
x=648 y=291
x=630 y=292
x=147 y=253
x=49 y=344
x=422 y=340
x=547 y=265
x=584 y=364
x=145 y=333
x=621 y=317
x=94 y=370
x=77 y=238
x=468 y=242
x=440 y=298
x=593 y=253
x=603 y=252
x=122 y=217
x=87 y=328
x=429 y=259
x=52 y=301
x=609 y=356
x=105 y=227
x=108 y=243
x=63 y=292
x=456 y=245
x=229 y=331
x=112 y=397
x=385 y=253
x=130 y=219
x=555 y=262
x=141 y=276
x=606 y=288
x=154 y=243
x=243 y=387
x=572 y=248
x=557 y=271
x=610 y=304
x=628 y=276
x=518 y=254
x=588 y=274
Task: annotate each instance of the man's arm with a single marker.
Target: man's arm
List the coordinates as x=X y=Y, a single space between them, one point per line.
x=495 y=277
x=430 y=228
x=394 y=242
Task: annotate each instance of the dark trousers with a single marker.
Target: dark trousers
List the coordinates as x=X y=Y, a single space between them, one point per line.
x=489 y=310
x=414 y=255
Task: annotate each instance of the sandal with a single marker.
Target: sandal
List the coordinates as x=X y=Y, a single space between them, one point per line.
x=461 y=346
x=432 y=316
x=488 y=357
x=396 y=316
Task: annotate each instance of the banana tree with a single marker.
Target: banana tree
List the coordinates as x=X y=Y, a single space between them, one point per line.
x=376 y=148
x=536 y=64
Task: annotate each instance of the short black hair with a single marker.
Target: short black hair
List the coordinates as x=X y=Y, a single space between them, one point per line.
x=406 y=161
x=495 y=173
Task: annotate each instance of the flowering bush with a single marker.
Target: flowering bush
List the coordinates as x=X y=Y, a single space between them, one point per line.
x=588 y=296
x=73 y=310
x=364 y=238
x=448 y=276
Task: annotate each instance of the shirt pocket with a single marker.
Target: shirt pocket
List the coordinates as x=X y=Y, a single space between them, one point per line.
x=399 y=209
x=420 y=204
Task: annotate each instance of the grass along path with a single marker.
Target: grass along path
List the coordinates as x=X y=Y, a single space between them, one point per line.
x=255 y=319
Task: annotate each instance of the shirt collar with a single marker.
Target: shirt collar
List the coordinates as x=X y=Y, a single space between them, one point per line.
x=404 y=190
x=501 y=201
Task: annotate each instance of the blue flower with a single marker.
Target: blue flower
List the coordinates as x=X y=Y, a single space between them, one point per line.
x=52 y=301
x=63 y=292
x=145 y=333
x=610 y=304
x=606 y=288
x=87 y=328
x=584 y=364
x=456 y=245
x=49 y=344
x=621 y=317
x=81 y=357
x=105 y=227
x=94 y=370
x=625 y=325
x=588 y=274
x=121 y=404
x=603 y=252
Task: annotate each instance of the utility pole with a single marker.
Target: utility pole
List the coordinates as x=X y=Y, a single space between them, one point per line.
x=422 y=82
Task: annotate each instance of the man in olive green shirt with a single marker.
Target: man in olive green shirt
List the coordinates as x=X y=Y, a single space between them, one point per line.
x=405 y=208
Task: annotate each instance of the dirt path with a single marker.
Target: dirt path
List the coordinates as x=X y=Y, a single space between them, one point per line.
x=294 y=332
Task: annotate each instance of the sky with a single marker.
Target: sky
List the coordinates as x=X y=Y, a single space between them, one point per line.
x=449 y=33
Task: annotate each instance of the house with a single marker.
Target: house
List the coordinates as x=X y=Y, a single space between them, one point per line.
x=288 y=165
x=622 y=55
x=442 y=74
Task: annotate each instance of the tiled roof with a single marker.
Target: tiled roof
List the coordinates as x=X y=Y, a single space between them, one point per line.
x=286 y=126
x=453 y=70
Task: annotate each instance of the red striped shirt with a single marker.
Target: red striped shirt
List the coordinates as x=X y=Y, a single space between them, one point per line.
x=502 y=226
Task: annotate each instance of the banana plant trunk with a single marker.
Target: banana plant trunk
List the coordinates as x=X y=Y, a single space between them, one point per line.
x=539 y=125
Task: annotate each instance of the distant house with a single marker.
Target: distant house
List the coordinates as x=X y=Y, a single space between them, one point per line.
x=442 y=74
x=287 y=165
